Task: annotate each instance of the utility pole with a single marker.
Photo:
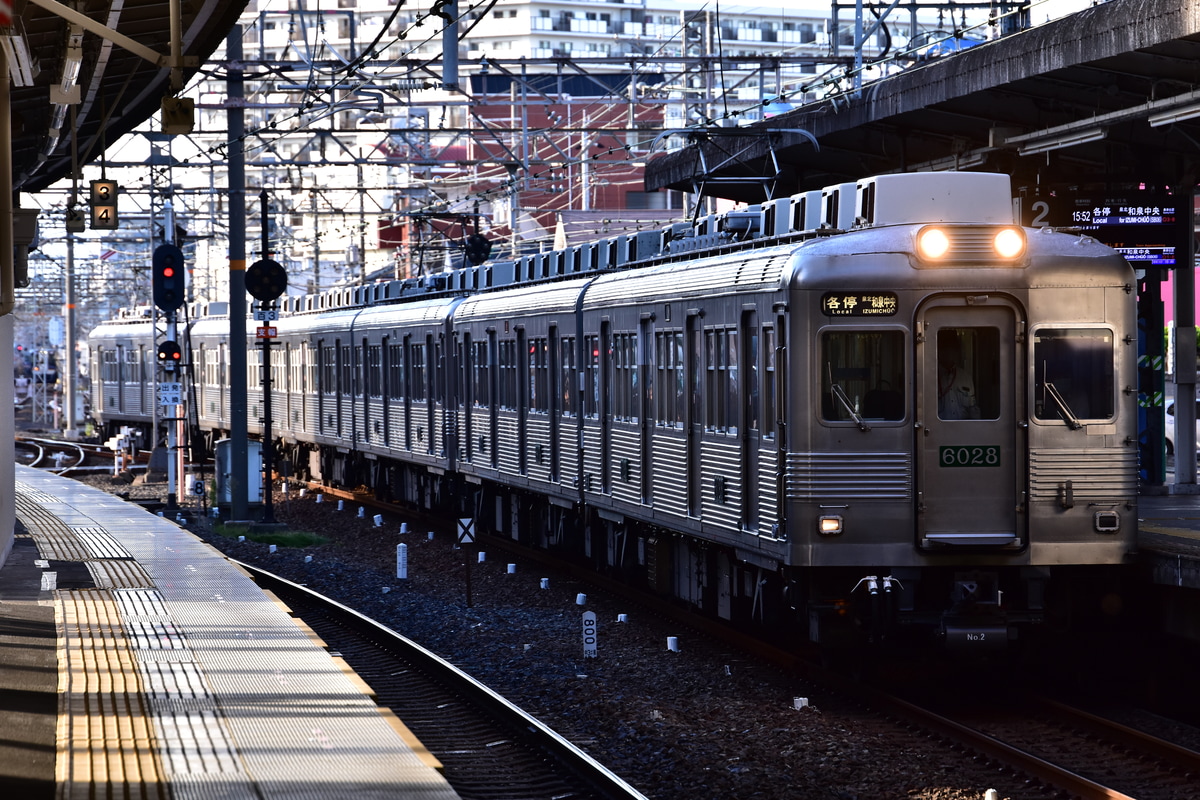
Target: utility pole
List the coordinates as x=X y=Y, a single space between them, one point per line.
x=316 y=245
x=238 y=433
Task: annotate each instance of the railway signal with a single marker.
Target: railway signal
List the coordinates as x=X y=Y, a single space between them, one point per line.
x=169 y=355
x=266 y=280
x=478 y=248
x=167 y=278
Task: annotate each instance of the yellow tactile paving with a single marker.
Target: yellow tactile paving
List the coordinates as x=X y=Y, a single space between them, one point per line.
x=106 y=744
x=180 y=680
x=119 y=574
x=56 y=541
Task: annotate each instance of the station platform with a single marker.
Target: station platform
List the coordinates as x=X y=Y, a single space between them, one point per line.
x=137 y=662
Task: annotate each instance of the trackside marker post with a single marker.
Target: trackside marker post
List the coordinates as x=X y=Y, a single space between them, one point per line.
x=589 y=634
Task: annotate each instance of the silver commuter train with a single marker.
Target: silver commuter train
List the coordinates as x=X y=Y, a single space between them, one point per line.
x=874 y=409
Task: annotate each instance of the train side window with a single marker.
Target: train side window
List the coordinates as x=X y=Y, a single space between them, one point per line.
x=346 y=368
x=539 y=375
x=416 y=383
x=374 y=368
x=396 y=371
x=591 y=367
x=437 y=369
x=625 y=377
x=769 y=387
x=721 y=354
x=862 y=371
x=481 y=384
x=1074 y=374
x=507 y=367
x=669 y=363
x=568 y=376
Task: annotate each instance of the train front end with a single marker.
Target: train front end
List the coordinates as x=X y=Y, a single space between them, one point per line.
x=966 y=458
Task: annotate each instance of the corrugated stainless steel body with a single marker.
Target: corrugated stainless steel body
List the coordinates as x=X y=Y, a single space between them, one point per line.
x=199 y=681
x=733 y=400
x=122 y=372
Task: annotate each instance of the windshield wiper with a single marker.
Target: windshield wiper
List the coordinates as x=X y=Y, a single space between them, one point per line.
x=1069 y=416
x=840 y=393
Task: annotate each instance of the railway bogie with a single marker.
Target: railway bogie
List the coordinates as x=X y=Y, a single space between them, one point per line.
x=877 y=408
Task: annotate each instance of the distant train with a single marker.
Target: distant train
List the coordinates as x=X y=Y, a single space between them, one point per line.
x=877 y=409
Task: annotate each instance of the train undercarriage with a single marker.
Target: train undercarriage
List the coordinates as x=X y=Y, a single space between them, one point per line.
x=977 y=611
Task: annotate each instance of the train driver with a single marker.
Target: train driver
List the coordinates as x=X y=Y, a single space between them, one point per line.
x=956 y=385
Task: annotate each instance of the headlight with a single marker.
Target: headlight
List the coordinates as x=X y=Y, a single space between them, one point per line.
x=1009 y=243
x=829 y=525
x=932 y=243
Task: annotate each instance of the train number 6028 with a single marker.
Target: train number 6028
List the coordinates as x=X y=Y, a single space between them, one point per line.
x=969 y=455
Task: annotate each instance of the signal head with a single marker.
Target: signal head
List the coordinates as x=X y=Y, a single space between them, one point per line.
x=169 y=355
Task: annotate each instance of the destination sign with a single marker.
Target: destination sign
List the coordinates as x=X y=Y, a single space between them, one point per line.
x=1140 y=225
x=859 y=304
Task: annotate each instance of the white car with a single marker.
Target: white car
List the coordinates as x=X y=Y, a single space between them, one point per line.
x=1169 y=428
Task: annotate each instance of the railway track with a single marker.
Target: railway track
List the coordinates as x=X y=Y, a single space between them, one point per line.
x=57 y=455
x=1067 y=751
x=490 y=749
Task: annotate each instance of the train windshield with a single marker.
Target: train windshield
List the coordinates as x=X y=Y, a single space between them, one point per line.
x=862 y=375
x=1074 y=375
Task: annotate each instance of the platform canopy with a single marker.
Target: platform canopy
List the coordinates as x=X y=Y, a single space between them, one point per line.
x=1110 y=95
x=59 y=65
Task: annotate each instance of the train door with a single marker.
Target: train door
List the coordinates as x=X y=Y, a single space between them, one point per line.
x=364 y=388
x=751 y=424
x=522 y=398
x=467 y=395
x=693 y=375
x=223 y=382
x=646 y=368
x=606 y=379
x=969 y=457
x=553 y=399
x=385 y=376
x=493 y=379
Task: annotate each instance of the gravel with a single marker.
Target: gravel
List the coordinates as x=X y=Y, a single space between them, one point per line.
x=702 y=722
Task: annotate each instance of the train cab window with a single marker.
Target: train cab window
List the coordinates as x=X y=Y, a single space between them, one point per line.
x=862 y=375
x=1074 y=374
x=968 y=365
